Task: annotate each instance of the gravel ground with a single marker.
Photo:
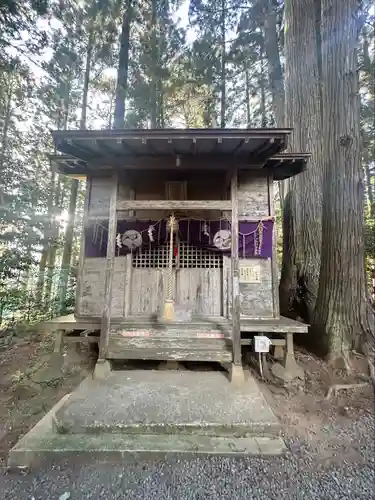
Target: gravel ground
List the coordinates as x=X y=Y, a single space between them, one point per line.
x=342 y=466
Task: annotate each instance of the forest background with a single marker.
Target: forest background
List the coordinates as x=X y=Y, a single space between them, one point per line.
x=95 y=64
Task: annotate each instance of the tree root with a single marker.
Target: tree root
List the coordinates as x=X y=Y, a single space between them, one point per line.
x=341 y=362
x=338 y=387
x=372 y=372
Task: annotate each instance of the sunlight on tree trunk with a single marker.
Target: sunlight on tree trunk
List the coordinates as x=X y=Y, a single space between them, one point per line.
x=275 y=73
x=341 y=311
x=122 y=72
x=222 y=64
x=69 y=233
x=303 y=199
x=262 y=89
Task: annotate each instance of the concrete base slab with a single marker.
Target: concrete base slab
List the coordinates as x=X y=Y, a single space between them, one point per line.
x=153 y=414
x=156 y=401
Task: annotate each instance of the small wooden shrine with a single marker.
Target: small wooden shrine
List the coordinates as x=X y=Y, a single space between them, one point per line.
x=178 y=254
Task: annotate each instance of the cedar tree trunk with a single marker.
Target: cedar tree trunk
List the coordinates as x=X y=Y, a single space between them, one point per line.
x=341 y=311
x=275 y=72
x=303 y=199
x=122 y=72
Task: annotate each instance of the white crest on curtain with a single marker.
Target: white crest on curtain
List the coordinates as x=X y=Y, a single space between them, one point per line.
x=132 y=239
x=223 y=239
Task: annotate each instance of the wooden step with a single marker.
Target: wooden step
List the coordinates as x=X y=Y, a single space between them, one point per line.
x=143 y=327
x=166 y=348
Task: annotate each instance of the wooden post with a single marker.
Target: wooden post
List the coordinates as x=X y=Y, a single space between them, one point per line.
x=79 y=287
x=128 y=284
x=274 y=269
x=110 y=264
x=236 y=326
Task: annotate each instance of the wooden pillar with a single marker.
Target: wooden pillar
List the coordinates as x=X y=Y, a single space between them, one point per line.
x=109 y=271
x=275 y=270
x=236 y=327
x=79 y=287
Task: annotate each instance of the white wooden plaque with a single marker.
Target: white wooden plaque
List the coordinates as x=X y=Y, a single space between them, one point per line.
x=250 y=274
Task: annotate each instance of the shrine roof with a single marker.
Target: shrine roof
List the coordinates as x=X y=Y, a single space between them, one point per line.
x=219 y=149
x=90 y=144
x=280 y=166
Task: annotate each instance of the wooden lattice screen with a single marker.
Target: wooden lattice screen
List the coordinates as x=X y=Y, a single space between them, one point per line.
x=188 y=257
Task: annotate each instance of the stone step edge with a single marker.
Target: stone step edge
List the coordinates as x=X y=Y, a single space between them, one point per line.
x=62 y=426
x=33 y=449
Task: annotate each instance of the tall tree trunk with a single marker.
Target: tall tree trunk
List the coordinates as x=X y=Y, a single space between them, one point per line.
x=262 y=88
x=222 y=66
x=368 y=70
x=68 y=245
x=247 y=96
x=47 y=230
x=52 y=251
x=275 y=73
x=303 y=200
x=318 y=35
x=123 y=67
x=154 y=57
x=341 y=311
x=4 y=138
x=69 y=232
x=42 y=272
x=370 y=193
x=51 y=261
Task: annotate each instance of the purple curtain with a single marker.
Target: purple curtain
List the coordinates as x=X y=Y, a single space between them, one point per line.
x=255 y=238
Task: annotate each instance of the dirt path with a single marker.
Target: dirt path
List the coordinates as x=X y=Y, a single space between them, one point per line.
x=31 y=383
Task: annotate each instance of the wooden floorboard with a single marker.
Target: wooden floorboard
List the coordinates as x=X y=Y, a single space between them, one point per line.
x=69 y=322
x=272 y=325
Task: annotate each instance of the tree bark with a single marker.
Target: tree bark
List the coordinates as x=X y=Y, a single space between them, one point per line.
x=303 y=200
x=47 y=230
x=123 y=67
x=275 y=73
x=247 y=96
x=370 y=193
x=222 y=66
x=368 y=70
x=154 y=63
x=68 y=246
x=53 y=243
x=341 y=310
x=262 y=89
x=4 y=137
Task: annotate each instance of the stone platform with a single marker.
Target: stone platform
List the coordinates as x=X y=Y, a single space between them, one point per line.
x=155 y=413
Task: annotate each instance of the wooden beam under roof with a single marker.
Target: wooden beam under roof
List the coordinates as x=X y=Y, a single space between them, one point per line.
x=223 y=205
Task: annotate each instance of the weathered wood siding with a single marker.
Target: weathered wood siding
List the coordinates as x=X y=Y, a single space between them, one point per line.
x=148 y=291
x=207 y=291
x=201 y=291
x=252 y=196
x=253 y=201
x=256 y=298
x=92 y=290
x=100 y=195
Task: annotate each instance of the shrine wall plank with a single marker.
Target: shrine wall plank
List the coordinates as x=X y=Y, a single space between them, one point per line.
x=256 y=284
x=92 y=290
x=257 y=298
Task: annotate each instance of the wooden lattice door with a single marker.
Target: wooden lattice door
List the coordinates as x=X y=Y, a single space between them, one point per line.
x=197 y=280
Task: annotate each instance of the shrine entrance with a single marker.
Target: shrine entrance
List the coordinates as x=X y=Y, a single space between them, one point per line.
x=197 y=280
